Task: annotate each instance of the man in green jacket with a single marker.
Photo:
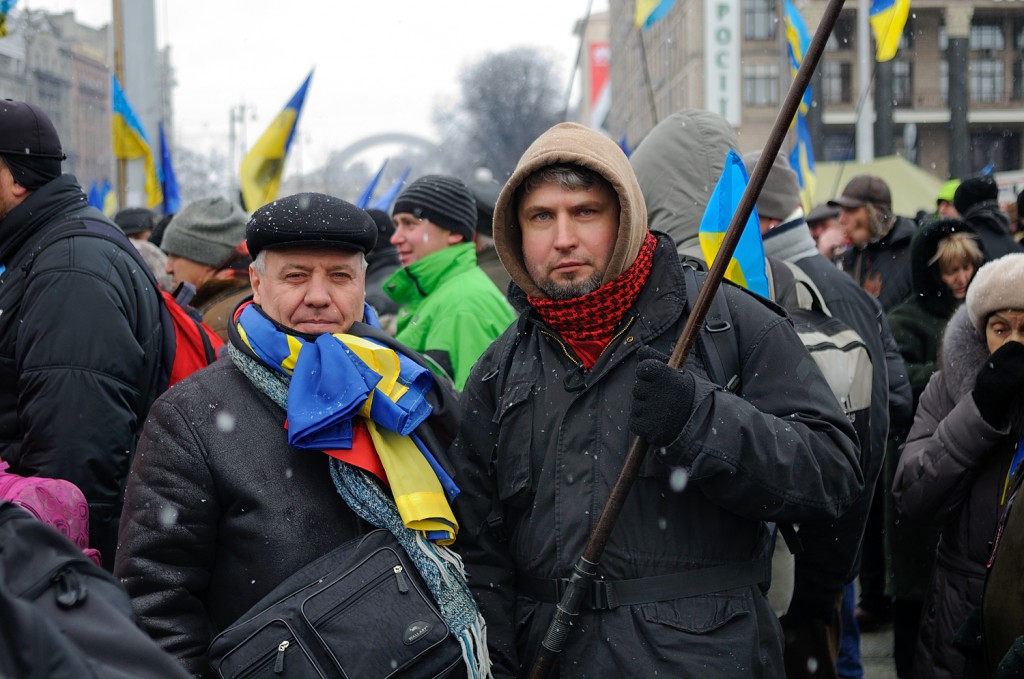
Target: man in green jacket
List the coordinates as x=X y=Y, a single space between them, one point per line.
x=450 y=311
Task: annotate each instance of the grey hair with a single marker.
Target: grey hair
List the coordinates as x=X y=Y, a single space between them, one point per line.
x=259 y=264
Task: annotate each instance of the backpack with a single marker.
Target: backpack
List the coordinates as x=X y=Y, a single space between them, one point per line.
x=837 y=349
x=56 y=502
x=64 y=617
x=188 y=343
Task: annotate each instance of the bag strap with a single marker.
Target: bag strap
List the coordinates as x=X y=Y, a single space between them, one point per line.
x=86 y=225
x=721 y=352
x=605 y=595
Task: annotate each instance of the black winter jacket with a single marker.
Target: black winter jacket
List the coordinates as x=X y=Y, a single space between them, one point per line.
x=993 y=228
x=540 y=446
x=828 y=559
x=882 y=267
x=80 y=343
x=220 y=509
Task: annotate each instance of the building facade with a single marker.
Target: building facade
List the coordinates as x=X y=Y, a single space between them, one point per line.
x=952 y=100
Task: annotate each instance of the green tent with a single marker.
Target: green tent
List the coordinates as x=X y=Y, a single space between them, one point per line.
x=912 y=187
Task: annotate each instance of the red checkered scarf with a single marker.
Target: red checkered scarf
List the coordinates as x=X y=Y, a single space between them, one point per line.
x=588 y=322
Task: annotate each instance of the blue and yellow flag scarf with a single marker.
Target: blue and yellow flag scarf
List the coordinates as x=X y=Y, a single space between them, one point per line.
x=341 y=382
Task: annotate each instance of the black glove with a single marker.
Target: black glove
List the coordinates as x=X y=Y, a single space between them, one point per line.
x=1000 y=378
x=662 y=399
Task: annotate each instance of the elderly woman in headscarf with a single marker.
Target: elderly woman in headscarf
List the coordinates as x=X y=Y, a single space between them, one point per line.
x=944 y=256
x=965 y=444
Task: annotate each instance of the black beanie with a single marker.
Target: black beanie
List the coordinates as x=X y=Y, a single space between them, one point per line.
x=443 y=200
x=29 y=144
x=973 y=191
x=385 y=227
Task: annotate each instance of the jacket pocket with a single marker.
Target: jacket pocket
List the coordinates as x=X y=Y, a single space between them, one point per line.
x=514 y=418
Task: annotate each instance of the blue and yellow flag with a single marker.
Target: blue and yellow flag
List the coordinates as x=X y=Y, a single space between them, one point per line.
x=650 y=12
x=261 y=169
x=387 y=199
x=172 y=195
x=131 y=142
x=747 y=266
x=798 y=40
x=364 y=199
x=888 y=18
x=801 y=159
x=5 y=7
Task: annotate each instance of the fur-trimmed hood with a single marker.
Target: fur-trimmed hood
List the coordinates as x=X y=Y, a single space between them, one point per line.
x=929 y=290
x=578 y=145
x=964 y=352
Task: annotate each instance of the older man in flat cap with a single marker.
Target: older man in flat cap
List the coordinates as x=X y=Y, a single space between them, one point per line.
x=225 y=500
x=80 y=336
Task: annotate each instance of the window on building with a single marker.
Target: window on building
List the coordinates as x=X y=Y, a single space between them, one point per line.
x=986 y=80
x=841 y=38
x=1018 y=79
x=836 y=82
x=1018 y=33
x=987 y=34
x=759 y=19
x=761 y=84
x=838 y=146
x=1001 y=149
x=903 y=82
x=944 y=81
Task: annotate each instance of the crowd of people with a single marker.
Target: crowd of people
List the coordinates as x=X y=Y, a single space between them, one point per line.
x=467 y=371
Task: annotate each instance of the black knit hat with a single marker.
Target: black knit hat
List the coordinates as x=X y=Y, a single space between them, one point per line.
x=445 y=201
x=29 y=143
x=310 y=219
x=385 y=227
x=485 y=193
x=973 y=191
x=134 y=220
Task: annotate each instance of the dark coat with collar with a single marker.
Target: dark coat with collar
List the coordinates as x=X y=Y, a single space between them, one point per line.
x=951 y=473
x=882 y=267
x=540 y=446
x=220 y=508
x=993 y=228
x=80 y=342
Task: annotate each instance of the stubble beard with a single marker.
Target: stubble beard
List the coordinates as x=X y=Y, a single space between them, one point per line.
x=571 y=289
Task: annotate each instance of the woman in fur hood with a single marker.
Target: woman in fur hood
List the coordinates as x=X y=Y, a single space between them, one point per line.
x=967 y=438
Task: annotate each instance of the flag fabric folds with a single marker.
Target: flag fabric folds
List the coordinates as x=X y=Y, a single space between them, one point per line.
x=5 y=7
x=650 y=12
x=888 y=18
x=747 y=266
x=172 y=195
x=801 y=159
x=262 y=167
x=798 y=40
x=364 y=199
x=131 y=142
x=387 y=199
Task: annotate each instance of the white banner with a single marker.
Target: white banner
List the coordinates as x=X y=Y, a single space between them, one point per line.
x=722 y=58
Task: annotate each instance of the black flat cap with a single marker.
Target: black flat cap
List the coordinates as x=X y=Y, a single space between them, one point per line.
x=310 y=219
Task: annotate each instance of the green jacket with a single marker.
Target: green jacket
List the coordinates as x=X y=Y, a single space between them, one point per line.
x=450 y=311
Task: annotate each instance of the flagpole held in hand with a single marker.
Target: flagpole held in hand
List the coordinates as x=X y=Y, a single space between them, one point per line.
x=585 y=570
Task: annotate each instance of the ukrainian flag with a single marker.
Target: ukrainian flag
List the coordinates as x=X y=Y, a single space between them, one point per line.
x=801 y=159
x=262 y=167
x=888 y=18
x=650 y=12
x=747 y=266
x=799 y=40
x=130 y=142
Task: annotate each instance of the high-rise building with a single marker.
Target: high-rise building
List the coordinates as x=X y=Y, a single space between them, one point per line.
x=951 y=101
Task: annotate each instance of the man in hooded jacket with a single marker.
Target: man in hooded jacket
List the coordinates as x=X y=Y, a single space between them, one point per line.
x=548 y=419
x=80 y=334
x=977 y=201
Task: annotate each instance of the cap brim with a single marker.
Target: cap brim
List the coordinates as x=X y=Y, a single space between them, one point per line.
x=847 y=202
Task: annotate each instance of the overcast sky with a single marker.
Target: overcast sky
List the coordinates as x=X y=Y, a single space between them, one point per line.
x=380 y=66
